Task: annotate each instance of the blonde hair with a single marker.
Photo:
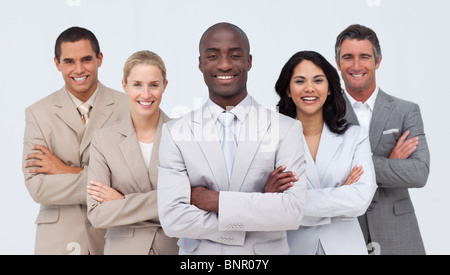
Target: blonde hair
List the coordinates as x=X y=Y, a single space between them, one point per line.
x=144 y=57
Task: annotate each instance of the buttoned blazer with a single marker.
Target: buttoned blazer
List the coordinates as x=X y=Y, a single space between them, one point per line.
x=54 y=122
x=132 y=223
x=390 y=219
x=332 y=209
x=249 y=222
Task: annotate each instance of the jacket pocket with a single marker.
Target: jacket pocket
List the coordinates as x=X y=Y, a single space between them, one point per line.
x=278 y=246
x=48 y=215
x=188 y=244
x=120 y=232
x=403 y=207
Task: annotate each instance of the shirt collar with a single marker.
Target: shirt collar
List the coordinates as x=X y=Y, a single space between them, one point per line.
x=370 y=101
x=240 y=111
x=90 y=101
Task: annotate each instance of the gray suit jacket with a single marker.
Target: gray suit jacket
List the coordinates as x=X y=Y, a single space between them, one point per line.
x=132 y=223
x=62 y=225
x=249 y=222
x=390 y=220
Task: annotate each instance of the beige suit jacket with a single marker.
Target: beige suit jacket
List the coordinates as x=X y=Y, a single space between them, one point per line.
x=133 y=223
x=62 y=224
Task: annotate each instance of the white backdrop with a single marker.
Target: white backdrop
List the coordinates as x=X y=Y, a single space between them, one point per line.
x=414 y=38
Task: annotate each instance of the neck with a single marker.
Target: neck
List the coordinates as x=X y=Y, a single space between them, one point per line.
x=361 y=95
x=145 y=126
x=229 y=101
x=312 y=125
x=84 y=96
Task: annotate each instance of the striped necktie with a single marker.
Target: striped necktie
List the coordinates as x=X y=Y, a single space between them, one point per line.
x=228 y=141
x=84 y=111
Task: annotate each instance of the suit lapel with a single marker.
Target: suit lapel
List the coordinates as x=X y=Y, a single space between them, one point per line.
x=154 y=159
x=67 y=112
x=350 y=113
x=132 y=154
x=381 y=113
x=205 y=133
x=312 y=175
x=101 y=111
x=249 y=141
x=328 y=146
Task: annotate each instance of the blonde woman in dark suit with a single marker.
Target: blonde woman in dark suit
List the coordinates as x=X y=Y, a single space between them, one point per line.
x=123 y=174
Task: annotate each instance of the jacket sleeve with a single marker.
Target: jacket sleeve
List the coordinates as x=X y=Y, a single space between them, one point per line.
x=137 y=209
x=179 y=218
x=348 y=200
x=62 y=189
x=271 y=211
x=406 y=173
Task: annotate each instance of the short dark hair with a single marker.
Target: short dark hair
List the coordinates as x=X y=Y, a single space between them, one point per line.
x=75 y=34
x=358 y=32
x=334 y=107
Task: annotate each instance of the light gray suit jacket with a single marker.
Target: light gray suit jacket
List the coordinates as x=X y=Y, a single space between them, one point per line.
x=390 y=221
x=332 y=209
x=62 y=225
x=132 y=223
x=249 y=222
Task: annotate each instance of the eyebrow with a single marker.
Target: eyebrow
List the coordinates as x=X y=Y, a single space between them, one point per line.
x=85 y=57
x=230 y=50
x=302 y=77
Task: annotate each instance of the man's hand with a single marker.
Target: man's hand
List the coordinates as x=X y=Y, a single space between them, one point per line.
x=205 y=199
x=102 y=192
x=279 y=181
x=403 y=149
x=48 y=163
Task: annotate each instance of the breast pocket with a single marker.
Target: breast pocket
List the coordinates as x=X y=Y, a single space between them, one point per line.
x=387 y=143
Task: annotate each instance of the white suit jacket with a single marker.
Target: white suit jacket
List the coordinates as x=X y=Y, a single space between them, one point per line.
x=332 y=209
x=249 y=222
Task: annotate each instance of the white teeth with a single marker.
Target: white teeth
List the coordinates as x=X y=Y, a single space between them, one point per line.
x=225 y=77
x=357 y=75
x=146 y=103
x=80 y=78
x=309 y=98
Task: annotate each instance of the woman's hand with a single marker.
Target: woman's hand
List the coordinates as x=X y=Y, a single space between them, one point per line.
x=354 y=175
x=102 y=192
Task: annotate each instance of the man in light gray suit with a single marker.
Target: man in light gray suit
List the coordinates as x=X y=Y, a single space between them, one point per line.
x=230 y=201
x=56 y=146
x=400 y=152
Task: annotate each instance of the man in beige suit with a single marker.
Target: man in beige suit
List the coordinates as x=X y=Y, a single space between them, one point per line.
x=56 y=146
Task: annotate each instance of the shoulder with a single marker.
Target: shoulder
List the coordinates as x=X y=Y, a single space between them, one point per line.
x=43 y=103
x=401 y=104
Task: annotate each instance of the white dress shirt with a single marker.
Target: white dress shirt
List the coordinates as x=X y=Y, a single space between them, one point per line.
x=363 y=110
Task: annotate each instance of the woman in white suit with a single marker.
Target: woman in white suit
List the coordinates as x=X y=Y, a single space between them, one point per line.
x=123 y=170
x=340 y=171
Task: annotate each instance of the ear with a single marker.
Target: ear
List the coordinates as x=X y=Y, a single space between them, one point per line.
x=100 y=59
x=250 y=61
x=58 y=66
x=165 y=85
x=200 y=63
x=337 y=63
x=377 y=65
x=288 y=92
x=124 y=85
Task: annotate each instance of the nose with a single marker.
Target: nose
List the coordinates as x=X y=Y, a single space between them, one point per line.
x=79 y=69
x=224 y=64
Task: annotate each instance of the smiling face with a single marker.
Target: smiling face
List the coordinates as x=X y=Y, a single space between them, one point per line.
x=358 y=65
x=308 y=89
x=225 y=61
x=79 y=65
x=144 y=85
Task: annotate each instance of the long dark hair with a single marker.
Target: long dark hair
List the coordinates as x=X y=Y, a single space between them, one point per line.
x=334 y=107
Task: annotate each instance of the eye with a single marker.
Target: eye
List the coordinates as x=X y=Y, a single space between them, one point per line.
x=319 y=80
x=137 y=85
x=299 y=81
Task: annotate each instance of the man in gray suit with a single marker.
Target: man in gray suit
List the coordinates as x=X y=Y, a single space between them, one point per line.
x=400 y=152
x=227 y=200
x=58 y=134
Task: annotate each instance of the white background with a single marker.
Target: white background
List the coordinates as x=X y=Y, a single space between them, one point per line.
x=414 y=37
